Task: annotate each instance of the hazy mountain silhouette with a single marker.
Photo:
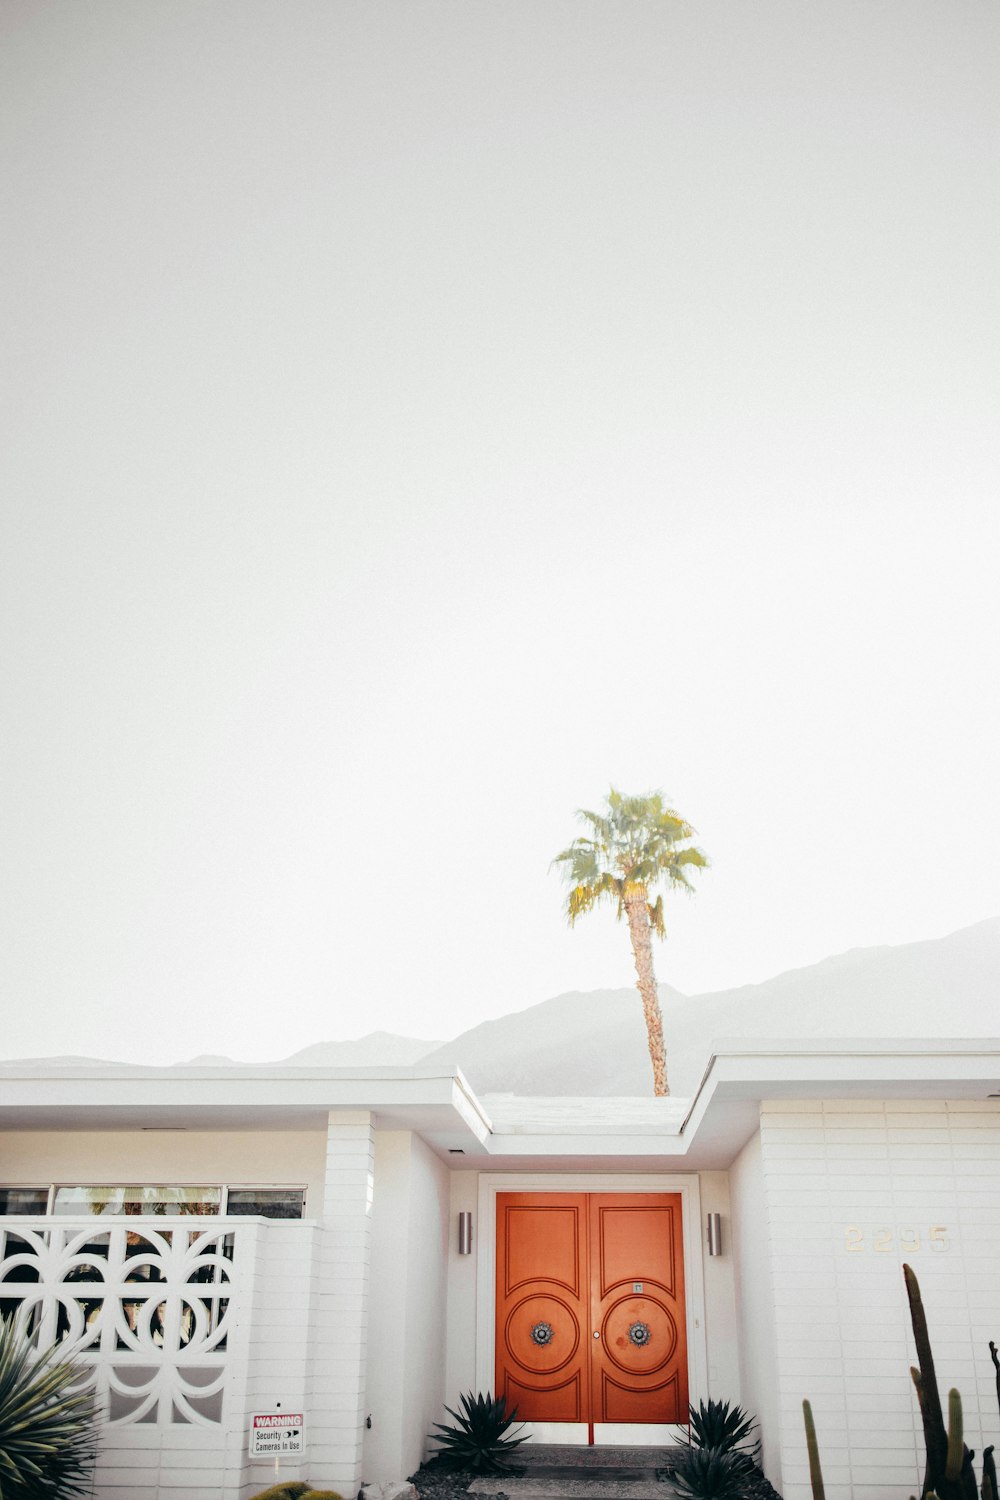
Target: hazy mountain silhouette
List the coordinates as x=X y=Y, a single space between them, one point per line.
x=595 y=1043
x=378 y=1048
x=578 y=1043
x=365 y=1052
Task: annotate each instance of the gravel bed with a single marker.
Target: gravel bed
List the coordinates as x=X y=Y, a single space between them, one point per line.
x=761 y=1488
x=434 y=1483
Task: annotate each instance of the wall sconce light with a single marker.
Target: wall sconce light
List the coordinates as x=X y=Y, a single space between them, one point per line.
x=465 y=1233
x=715 y=1234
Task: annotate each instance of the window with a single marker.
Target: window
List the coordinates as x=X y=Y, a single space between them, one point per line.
x=270 y=1203
x=155 y=1200
x=136 y=1201
x=24 y=1200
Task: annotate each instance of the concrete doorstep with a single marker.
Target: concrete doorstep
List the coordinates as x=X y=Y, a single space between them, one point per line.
x=577 y=1488
x=562 y=1472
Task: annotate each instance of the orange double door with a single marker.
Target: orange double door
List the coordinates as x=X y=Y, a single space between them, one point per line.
x=590 y=1322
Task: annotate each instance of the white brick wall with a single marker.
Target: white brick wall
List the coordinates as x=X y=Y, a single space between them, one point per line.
x=275 y=1367
x=408 y=1315
x=758 y=1384
x=853 y=1189
x=340 y=1306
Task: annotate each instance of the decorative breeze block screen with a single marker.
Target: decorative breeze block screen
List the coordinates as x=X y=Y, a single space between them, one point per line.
x=149 y=1309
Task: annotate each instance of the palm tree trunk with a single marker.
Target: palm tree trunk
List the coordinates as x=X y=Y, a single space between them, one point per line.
x=640 y=932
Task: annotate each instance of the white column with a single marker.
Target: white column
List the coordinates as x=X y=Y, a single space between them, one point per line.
x=340 y=1326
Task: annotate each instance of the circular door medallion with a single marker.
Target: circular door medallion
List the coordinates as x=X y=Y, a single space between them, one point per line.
x=640 y=1335
x=541 y=1335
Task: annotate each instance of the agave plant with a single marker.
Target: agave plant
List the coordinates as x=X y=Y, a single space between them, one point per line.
x=717 y=1424
x=477 y=1440
x=713 y=1474
x=47 y=1423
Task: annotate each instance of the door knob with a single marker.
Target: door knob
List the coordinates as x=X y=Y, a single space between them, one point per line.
x=596 y=1334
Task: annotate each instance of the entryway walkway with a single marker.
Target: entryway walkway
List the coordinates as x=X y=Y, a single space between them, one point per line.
x=554 y=1471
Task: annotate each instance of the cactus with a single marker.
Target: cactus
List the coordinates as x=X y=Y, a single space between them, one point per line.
x=815 y=1472
x=956 y=1445
x=925 y=1381
x=948 y=1472
x=927 y=1488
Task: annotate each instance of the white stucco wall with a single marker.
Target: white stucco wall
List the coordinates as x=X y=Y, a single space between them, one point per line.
x=387 y=1311
x=427 y=1301
x=460 y=1362
x=751 y=1258
x=853 y=1189
x=35 y=1158
x=721 y=1322
x=407 y=1306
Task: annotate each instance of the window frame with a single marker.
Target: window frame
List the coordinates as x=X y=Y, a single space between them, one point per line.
x=223 y=1189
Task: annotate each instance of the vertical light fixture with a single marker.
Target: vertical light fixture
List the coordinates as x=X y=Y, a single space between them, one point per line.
x=715 y=1234
x=465 y=1232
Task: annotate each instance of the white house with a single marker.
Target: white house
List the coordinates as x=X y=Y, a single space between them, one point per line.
x=340 y=1253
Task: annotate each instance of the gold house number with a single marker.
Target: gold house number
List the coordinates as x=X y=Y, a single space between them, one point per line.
x=904 y=1239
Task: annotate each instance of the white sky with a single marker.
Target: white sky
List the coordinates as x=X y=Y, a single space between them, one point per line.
x=421 y=415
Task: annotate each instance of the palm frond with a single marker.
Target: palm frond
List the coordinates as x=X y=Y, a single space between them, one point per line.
x=677 y=873
x=603 y=828
x=635 y=845
x=583 y=898
x=584 y=860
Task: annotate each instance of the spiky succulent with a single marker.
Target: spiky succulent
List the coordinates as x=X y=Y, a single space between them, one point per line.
x=476 y=1441
x=713 y=1474
x=47 y=1423
x=717 y=1424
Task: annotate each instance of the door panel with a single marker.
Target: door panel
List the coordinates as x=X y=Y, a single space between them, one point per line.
x=639 y=1363
x=590 y=1307
x=543 y=1305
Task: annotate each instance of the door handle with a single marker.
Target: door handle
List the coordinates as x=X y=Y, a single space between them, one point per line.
x=596 y=1334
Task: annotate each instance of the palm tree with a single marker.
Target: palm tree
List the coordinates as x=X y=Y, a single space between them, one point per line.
x=633 y=845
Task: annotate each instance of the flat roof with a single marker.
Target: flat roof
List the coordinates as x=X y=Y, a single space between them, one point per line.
x=527 y=1132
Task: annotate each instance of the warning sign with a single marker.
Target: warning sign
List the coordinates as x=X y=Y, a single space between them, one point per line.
x=277 y=1434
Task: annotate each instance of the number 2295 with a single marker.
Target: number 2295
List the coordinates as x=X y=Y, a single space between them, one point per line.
x=906 y=1239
